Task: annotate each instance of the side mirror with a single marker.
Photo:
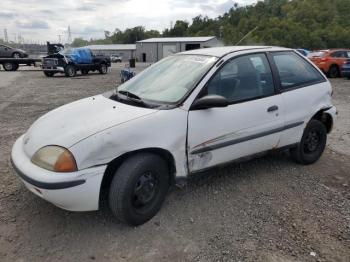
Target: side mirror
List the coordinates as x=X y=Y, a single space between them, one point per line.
x=209 y=101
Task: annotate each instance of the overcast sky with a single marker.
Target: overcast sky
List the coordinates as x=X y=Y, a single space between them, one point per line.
x=45 y=19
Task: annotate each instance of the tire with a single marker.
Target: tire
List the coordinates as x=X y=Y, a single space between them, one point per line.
x=16 y=55
x=333 y=72
x=70 y=71
x=84 y=72
x=49 y=74
x=312 y=144
x=128 y=198
x=8 y=66
x=103 y=69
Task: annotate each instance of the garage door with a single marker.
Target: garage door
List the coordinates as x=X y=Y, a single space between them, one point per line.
x=169 y=50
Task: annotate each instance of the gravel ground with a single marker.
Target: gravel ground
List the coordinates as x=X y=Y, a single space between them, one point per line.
x=267 y=209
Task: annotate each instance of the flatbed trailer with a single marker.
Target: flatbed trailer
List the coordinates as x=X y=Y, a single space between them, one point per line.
x=12 y=64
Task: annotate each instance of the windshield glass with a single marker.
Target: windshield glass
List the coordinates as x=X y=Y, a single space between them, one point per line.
x=169 y=80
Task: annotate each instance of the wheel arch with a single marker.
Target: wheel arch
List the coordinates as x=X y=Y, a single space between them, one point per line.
x=334 y=65
x=325 y=118
x=115 y=164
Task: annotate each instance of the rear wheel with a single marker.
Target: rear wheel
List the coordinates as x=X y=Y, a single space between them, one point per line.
x=138 y=188
x=333 y=71
x=103 y=69
x=70 y=71
x=49 y=74
x=312 y=144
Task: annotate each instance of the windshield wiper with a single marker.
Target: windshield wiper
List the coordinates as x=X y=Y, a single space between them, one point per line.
x=129 y=94
x=134 y=98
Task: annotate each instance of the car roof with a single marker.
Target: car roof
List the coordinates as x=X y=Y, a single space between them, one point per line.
x=224 y=50
x=332 y=50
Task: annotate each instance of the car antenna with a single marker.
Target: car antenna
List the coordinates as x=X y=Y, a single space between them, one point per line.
x=244 y=37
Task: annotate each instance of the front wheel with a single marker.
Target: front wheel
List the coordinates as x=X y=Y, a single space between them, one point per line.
x=70 y=71
x=312 y=144
x=16 y=55
x=138 y=188
x=103 y=69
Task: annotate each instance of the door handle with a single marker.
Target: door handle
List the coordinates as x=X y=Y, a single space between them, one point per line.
x=272 y=108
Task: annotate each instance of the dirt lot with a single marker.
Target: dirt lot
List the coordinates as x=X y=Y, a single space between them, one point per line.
x=267 y=209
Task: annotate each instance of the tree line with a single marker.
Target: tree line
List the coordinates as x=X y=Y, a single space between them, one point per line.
x=311 y=24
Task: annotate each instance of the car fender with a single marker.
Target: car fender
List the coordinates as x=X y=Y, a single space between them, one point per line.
x=165 y=129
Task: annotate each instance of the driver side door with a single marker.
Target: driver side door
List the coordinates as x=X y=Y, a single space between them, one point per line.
x=251 y=123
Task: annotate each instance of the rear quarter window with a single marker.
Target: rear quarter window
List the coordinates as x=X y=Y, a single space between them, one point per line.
x=294 y=71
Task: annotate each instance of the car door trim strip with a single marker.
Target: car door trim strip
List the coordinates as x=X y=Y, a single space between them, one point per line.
x=244 y=139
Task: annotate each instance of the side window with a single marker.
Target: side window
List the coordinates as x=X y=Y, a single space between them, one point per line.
x=339 y=54
x=336 y=54
x=243 y=78
x=294 y=70
x=348 y=54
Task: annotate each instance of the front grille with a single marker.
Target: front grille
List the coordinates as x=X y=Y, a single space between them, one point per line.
x=50 y=62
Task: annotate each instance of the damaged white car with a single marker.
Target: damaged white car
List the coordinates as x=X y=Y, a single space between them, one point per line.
x=187 y=113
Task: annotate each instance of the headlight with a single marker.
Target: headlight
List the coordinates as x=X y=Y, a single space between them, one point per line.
x=55 y=158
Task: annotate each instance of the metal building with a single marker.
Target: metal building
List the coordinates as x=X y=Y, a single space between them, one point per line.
x=153 y=49
x=126 y=51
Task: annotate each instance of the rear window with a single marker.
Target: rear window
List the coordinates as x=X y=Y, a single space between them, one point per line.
x=295 y=71
x=317 y=54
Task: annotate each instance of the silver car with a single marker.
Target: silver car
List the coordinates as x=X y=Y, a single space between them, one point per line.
x=7 y=51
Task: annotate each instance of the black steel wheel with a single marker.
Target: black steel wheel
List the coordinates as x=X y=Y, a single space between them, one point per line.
x=312 y=144
x=70 y=71
x=139 y=188
x=103 y=69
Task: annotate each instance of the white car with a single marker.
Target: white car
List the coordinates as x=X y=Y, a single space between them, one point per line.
x=187 y=113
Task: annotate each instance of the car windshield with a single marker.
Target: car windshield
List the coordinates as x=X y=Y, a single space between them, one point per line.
x=169 y=80
x=316 y=54
x=67 y=51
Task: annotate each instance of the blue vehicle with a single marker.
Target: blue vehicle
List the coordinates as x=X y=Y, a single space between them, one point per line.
x=345 y=71
x=304 y=52
x=126 y=74
x=69 y=61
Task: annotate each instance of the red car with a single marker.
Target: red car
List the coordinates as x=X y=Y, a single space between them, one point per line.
x=330 y=61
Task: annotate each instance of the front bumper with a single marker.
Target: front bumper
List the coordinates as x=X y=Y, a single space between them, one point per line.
x=58 y=69
x=75 y=191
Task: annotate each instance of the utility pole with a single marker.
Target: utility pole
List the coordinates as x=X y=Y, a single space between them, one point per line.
x=69 y=35
x=59 y=38
x=6 y=38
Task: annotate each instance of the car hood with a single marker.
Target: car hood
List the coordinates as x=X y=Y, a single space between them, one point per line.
x=71 y=123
